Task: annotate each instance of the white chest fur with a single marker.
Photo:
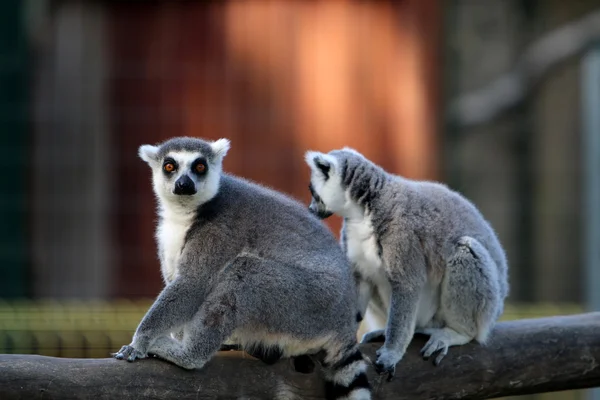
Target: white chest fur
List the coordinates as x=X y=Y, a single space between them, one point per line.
x=362 y=246
x=363 y=252
x=171 y=236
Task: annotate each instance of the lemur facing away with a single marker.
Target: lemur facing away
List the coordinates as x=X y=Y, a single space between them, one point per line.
x=244 y=262
x=420 y=251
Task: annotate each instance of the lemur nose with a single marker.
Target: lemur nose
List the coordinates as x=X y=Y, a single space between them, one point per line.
x=184 y=185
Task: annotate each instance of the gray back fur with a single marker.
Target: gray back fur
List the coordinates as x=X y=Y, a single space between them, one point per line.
x=244 y=218
x=434 y=212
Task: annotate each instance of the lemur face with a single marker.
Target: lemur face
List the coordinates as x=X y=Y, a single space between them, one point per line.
x=183 y=173
x=328 y=194
x=185 y=170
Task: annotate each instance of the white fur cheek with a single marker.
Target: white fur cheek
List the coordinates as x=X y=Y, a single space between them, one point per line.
x=332 y=194
x=210 y=187
x=160 y=185
x=318 y=182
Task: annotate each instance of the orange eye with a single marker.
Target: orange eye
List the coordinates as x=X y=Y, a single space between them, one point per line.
x=200 y=168
x=169 y=167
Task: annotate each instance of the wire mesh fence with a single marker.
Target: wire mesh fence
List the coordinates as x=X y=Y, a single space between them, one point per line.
x=94 y=329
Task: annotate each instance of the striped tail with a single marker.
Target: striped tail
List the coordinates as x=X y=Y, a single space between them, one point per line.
x=346 y=378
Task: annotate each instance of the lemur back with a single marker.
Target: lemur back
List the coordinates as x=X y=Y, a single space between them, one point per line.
x=422 y=254
x=254 y=266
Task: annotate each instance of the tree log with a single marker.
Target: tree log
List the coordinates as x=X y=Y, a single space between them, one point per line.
x=521 y=357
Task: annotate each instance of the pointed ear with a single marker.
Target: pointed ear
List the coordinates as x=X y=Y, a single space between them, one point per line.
x=320 y=162
x=353 y=151
x=148 y=153
x=220 y=148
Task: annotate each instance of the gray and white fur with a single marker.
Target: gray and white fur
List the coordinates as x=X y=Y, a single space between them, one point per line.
x=247 y=263
x=421 y=252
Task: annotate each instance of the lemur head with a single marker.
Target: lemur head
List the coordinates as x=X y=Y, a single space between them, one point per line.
x=328 y=182
x=185 y=171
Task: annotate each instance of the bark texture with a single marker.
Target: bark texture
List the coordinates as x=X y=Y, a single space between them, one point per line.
x=521 y=357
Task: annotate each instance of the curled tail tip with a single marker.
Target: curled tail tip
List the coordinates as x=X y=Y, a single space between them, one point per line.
x=348 y=380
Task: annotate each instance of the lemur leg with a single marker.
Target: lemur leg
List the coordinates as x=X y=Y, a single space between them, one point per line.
x=178 y=335
x=469 y=299
x=214 y=322
x=176 y=305
x=376 y=336
x=402 y=319
x=365 y=290
x=220 y=315
x=375 y=318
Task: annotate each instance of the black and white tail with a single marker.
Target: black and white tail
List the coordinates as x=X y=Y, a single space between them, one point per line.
x=346 y=377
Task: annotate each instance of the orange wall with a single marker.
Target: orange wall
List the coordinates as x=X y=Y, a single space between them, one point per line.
x=277 y=78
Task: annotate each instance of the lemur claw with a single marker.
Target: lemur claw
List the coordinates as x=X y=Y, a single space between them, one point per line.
x=382 y=369
x=386 y=362
x=432 y=347
x=439 y=357
x=129 y=353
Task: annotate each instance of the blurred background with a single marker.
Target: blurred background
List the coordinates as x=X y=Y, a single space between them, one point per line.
x=500 y=99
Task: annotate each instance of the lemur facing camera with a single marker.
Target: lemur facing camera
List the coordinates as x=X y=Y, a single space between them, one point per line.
x=421 y=252
x=244 y=262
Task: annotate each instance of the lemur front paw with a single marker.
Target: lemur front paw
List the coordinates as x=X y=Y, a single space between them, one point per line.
x=386 y=362
x=432 y=346
x=129 y=353
x=376 y=336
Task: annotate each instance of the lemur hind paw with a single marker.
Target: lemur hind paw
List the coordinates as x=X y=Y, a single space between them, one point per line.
x=129 y=353
x=433 y=346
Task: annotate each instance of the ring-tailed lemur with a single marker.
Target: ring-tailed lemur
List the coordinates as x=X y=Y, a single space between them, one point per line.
x=420 y=251
x=244 y=262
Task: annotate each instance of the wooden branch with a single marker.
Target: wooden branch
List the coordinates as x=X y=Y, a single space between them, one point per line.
x=525 y=356
x=510 y=89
